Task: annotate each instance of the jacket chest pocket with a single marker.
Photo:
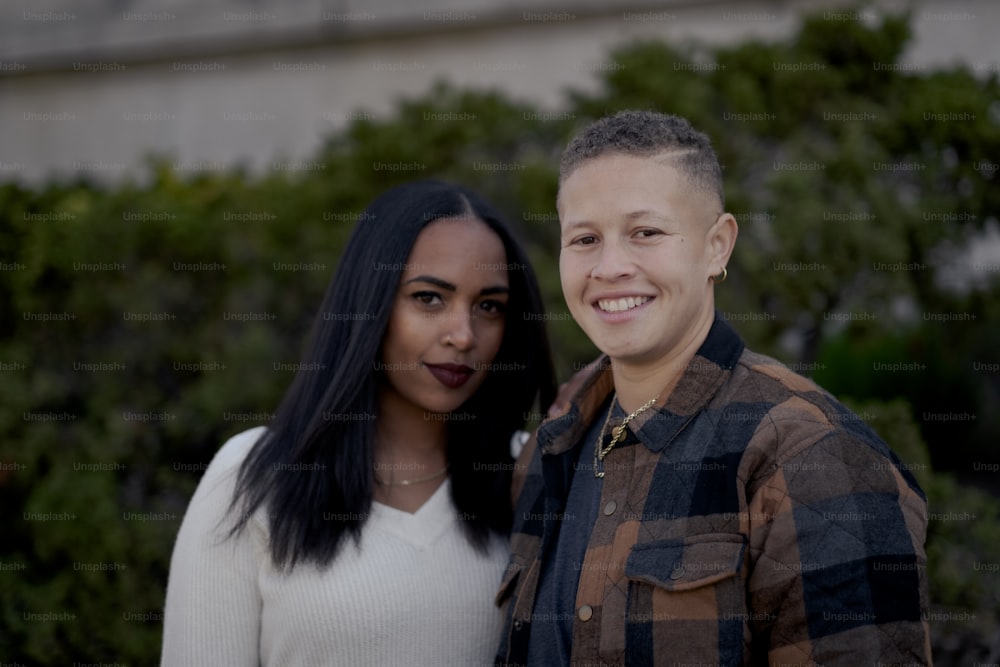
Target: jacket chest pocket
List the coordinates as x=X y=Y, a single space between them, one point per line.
x=686 y=599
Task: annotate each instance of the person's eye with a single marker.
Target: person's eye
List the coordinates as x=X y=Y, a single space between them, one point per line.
x=648 y=233
x=585 y=240
x=428 y=298
x=494 y=306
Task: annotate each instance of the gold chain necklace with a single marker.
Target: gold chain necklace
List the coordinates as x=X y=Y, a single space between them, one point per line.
x=616 y=433
x=408 y=482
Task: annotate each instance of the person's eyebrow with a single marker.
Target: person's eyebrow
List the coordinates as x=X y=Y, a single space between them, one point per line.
x=639 y=215
x=577 y=223
x=444 y=284
x=631 y=216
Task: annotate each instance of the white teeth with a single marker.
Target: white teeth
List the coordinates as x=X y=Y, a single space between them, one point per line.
x=618 y=305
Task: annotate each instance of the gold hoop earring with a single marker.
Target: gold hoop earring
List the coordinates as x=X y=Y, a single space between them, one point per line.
x=721 y=278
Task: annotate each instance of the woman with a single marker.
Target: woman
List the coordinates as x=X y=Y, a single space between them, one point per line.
x=366 y=525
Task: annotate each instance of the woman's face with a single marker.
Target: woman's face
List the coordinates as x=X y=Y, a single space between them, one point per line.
x=448 y=318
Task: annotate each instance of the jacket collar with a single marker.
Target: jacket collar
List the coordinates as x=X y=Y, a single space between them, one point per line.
x=708 y=371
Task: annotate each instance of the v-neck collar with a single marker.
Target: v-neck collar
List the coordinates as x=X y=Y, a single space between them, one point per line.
x=422 y=527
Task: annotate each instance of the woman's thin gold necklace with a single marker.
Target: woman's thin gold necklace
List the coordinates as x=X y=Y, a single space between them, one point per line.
x=409 y=482
x=616 y=433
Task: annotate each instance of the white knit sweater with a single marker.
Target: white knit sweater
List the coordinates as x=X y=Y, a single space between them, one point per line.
x=414 y=593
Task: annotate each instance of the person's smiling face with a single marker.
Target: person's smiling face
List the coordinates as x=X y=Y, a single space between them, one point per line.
x=639 y=245
x=447 y=321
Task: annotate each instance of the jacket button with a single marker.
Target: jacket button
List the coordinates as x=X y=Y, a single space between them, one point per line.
x=517 y=625
x=677 y=573
x=585 y=613
x=610 y=507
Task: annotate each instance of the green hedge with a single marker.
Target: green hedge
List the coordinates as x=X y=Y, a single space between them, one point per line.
x=144 y=323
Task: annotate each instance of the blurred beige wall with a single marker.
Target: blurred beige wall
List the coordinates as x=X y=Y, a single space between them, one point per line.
x=97 y=86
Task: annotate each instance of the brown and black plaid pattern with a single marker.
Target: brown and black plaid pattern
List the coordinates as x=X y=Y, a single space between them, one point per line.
x=750 y=519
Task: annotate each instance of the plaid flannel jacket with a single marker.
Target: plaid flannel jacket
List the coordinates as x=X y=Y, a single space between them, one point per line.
x=751 y=520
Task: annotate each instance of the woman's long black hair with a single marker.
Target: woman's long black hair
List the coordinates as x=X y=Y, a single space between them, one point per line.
x=312 y=470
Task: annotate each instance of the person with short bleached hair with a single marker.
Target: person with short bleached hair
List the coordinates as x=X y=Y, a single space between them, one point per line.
x=694 y=502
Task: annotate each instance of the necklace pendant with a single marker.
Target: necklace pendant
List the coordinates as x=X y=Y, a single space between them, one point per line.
x=410 y=482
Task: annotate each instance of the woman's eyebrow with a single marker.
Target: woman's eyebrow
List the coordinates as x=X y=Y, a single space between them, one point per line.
x=444 y=284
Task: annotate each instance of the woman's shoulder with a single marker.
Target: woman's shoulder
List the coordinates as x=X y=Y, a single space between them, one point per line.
x=234 y=450
x=209 y=515
x=219 y=479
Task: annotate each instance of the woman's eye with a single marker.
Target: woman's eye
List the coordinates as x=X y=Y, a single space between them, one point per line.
x=493 y=306
x=428 y=298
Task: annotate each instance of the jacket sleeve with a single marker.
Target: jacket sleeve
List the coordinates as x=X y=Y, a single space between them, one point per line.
x=213 y=605
x=838 y=568
x=568 y=391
